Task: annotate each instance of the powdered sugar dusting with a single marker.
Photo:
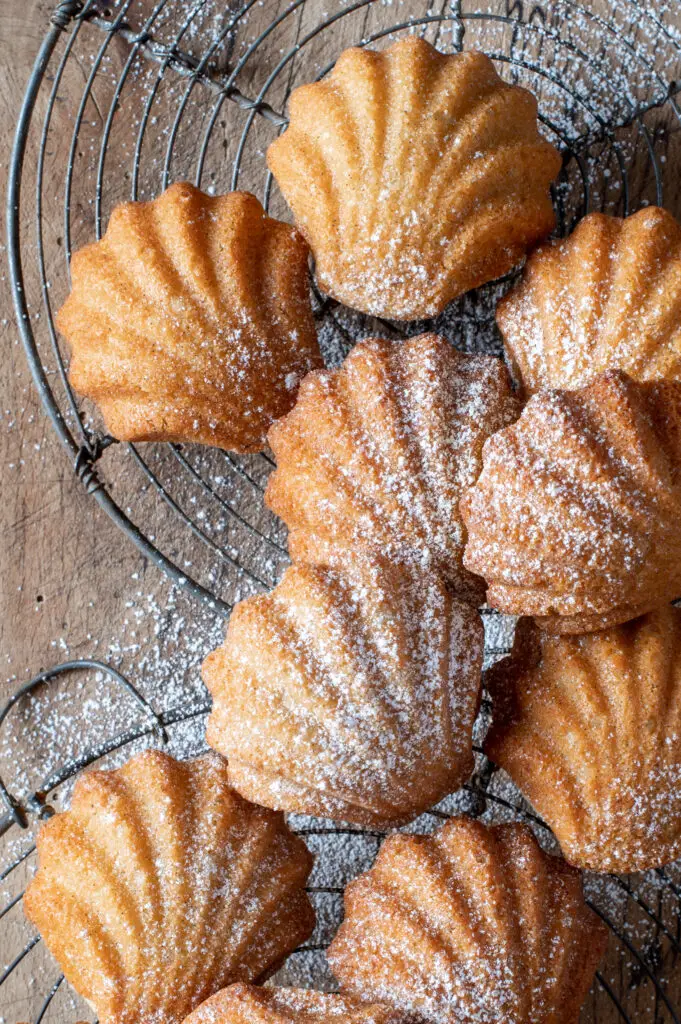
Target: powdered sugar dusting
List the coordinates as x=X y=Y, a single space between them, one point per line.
x=592 y=734
x=349 y=692
x=377 y=454
x=449 y=928
x=576 y=511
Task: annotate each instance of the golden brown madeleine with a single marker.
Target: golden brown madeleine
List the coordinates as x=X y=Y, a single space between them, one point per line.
x=252 y=1004
x=414 y=175
x=161 y=885
x=607 y=297
x=191 y=320
x=469 y=924
x=348 y=692
x=376 y=455
x=574 y=714
x=576 y=515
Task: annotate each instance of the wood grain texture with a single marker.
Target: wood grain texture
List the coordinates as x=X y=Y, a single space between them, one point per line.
x=70 y=584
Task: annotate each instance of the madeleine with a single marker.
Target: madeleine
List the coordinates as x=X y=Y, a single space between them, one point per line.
x=348 y=692
x=415 y=176
x=161 y=885
x=190 y=320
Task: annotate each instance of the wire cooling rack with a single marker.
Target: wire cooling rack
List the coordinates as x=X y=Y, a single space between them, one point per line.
x=642 y=913
x=129 y=95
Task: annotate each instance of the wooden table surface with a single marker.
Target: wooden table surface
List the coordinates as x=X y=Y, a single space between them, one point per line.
x=70 y=584
x=67 y=575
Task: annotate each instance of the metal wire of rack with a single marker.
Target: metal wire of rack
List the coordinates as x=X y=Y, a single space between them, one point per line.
x=195 y=89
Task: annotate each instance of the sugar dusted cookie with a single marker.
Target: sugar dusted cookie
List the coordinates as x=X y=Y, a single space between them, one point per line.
x=575 y=516
x=376 y=455
x=252 y=1004
x=415 y=176
x=191 y=320
x=574 y=713
x=469 y=924
x=607 y=297
x=348 y=692
x=161 y=885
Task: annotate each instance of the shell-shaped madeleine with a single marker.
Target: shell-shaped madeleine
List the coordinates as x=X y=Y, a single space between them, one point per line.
x=589 y=727
x=414 y=175
x=576 y=515
x=469 y=924
x=161 y=885
x=606 y=297
x=348 y=692
x=376 y=455
x=190 y=320
x=251 y=1004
